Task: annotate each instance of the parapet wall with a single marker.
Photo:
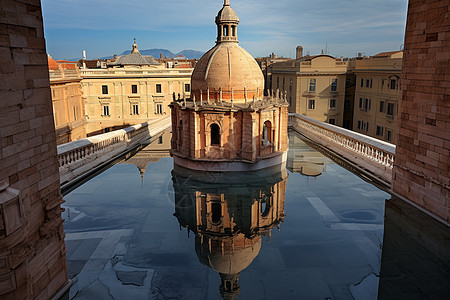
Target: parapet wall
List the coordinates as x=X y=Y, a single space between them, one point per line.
x=32 y=252
x=421 y=169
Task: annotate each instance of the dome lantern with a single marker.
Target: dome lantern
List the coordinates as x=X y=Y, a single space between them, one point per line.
x=227 y=22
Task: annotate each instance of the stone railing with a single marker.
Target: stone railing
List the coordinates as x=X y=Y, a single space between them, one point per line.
x=79 y=157
x=366 y=152
x=86 y=73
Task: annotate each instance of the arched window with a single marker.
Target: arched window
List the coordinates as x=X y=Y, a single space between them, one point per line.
x=216 y=212
x=233 y=30
x=265 y=205
x=267 y=133
x=215 y=135
x=225 y=30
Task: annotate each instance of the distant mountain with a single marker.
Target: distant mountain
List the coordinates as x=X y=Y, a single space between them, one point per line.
x=191 y=54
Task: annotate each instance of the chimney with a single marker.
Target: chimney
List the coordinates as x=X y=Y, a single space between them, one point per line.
x=160 y=56
x=299 y=52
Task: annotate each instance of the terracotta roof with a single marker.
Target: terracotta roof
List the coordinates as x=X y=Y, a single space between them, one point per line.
x=52 y=64
x=386 y=54
x=65 y=64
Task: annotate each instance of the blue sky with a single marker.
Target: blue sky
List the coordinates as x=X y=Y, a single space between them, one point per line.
x=105 y=27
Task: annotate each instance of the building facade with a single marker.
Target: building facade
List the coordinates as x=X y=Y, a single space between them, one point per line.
x=314 y=85
x=133 y=89
x=377 y=95
x=67 y=99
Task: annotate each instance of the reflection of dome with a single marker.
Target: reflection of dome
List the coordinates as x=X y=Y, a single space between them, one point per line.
x=222 y=257
x=227 y=66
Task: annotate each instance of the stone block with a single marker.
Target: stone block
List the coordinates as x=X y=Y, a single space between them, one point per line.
x=7 y=283
x=12 y=211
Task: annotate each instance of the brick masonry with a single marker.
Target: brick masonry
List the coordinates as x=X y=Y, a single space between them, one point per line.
x=421 y=169
x=32 y=252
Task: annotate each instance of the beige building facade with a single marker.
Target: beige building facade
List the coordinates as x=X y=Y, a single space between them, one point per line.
x=314 y=85
x=68 y=106
x=377 y=95
x=132 y=90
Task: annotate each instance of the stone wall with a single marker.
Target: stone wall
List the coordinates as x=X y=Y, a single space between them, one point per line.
x=421 y=171
x=32 y=252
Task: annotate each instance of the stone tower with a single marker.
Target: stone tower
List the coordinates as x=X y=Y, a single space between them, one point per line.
x=228 y=123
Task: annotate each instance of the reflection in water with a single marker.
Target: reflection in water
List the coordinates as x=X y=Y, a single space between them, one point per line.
x=305 y=160
x=416 y=255
x=228 y=213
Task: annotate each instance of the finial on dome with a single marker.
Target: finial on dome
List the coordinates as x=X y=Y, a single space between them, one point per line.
x=135 y=47
x=226 y=3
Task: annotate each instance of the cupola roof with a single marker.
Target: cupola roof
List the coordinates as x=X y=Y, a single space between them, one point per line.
x=227 y=70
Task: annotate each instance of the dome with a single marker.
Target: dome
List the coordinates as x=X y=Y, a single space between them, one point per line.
x=227 y=71
x=227 y=262
x=228 y=66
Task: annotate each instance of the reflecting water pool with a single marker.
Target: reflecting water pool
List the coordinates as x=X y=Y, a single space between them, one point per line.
x=143 y=229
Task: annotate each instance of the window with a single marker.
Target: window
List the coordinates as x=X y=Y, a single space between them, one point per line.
x=367 y=104
x=390 y=109
x=104 y=89
x=158 y=109
x=362 y=82
x=267 y=133
x=360 y=103
x=367 y=83
x=160 y=139
x=216 y=212
x=370 y=82
x=347 y=124
x=334 y=85
x=105 y=110
x=347 y=106
x=158 y=88
x=134 y=109
x=379 y=131
x=311 y=104
x=389 y=135
x=134 y=89
x=359 y=124
x=284 y=81
x=290 y=100
x=278 y=82
x=367 y=126
x=215 y=135
x=332 y=121
x=393 y=85
x=233 y=30
x=187 y=88
x=312 y=85
x=332 y=103
x=381 y=106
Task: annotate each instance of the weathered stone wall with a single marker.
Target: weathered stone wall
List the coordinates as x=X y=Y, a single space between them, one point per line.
x=421 y=170
x=32 y=251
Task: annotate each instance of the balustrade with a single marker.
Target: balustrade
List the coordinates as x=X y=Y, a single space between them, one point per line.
x=378 y=151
